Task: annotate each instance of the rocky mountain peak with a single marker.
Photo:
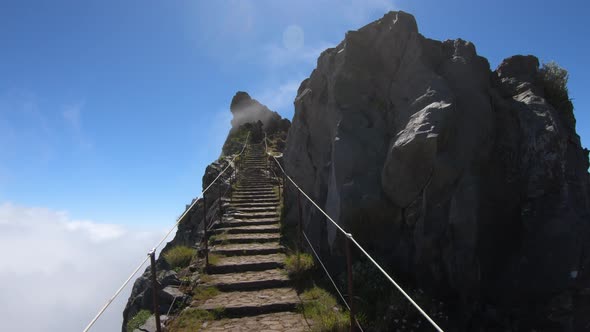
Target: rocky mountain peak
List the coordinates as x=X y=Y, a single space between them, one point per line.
x=245 y=109
x=468 y=182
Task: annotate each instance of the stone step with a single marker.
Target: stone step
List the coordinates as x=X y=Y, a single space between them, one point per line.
x=234 y=264
x=254 y=200
x=250 y=303
x=239 y=205
x=258 y=195
x=243 y=197
x=256 y=215
x=275 y=228
x=249 y=222
x=253 y=184
x=253 y=214
x=254 y=209
x=250 y=280
x=279 y=321
x=240 y=191
x=248 y=249
x=246 y=238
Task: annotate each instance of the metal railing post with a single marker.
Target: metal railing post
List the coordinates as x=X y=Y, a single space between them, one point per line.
x=300 y=224
x=219 y=204
x=205 y=235
x=279 y=183
x=350 y=286
x=284 y=189
x=152 y=255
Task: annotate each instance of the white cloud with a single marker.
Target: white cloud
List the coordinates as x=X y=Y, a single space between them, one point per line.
x=55 y=272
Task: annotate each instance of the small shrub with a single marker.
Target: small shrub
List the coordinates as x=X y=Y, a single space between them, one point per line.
x=138 y=320
x=554 y=80
x=179 y=256
x=322 y=308
x=202 y=294
x=214 y=259
x=192 y=319
x=299 y=263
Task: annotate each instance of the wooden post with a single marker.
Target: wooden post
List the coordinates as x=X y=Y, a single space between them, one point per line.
x=155 y=287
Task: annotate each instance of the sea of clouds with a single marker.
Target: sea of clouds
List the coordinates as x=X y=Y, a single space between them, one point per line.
x=56 y=273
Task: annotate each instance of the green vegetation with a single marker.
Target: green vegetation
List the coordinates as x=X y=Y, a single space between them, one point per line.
x=381 y=306
x=138 y=320
x=214 y=258
x=554 y=80
x=192 y=319
x=299 y=264
x=235 y=140
x=203 y=293
x=179 y=256
x=322 y=308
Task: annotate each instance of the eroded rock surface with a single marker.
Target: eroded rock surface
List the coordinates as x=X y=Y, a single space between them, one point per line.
x=465 y=181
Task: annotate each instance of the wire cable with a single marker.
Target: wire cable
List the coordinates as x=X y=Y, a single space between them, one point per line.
x=329 y=277
x=349 y=236
x=108 y=303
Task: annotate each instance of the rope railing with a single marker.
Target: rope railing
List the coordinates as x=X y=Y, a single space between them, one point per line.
x=353 y=240
x=112 y=298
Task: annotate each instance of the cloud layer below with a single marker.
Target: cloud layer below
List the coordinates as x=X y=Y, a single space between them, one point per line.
x=56 y=272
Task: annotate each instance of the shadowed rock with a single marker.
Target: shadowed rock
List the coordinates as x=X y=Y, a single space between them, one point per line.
x=467 y=182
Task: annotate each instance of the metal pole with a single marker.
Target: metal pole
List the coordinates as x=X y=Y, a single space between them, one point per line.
x=300 y=226
x=219 y=205
x=284 y=190
x=205 y=235
x=350 y=286
x=152 y=255
x=279 y=184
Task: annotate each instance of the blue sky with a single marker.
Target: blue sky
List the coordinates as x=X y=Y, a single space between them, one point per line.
x=106 y=107
x=110 y=110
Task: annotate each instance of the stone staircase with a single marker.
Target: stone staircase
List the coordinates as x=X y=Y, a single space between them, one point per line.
x=248 y=259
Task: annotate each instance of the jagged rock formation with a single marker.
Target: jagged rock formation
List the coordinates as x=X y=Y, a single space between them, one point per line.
x=466 y=182
x=249 y=116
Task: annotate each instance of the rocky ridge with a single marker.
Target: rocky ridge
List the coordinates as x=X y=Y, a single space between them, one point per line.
x=249 y=117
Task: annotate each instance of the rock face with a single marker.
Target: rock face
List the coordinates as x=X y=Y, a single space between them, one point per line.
x=251 y=116
x=466 y=182
x=248 y=110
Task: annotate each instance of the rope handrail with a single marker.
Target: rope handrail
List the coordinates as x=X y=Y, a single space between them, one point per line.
x=351 y=238
x=112 y=298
